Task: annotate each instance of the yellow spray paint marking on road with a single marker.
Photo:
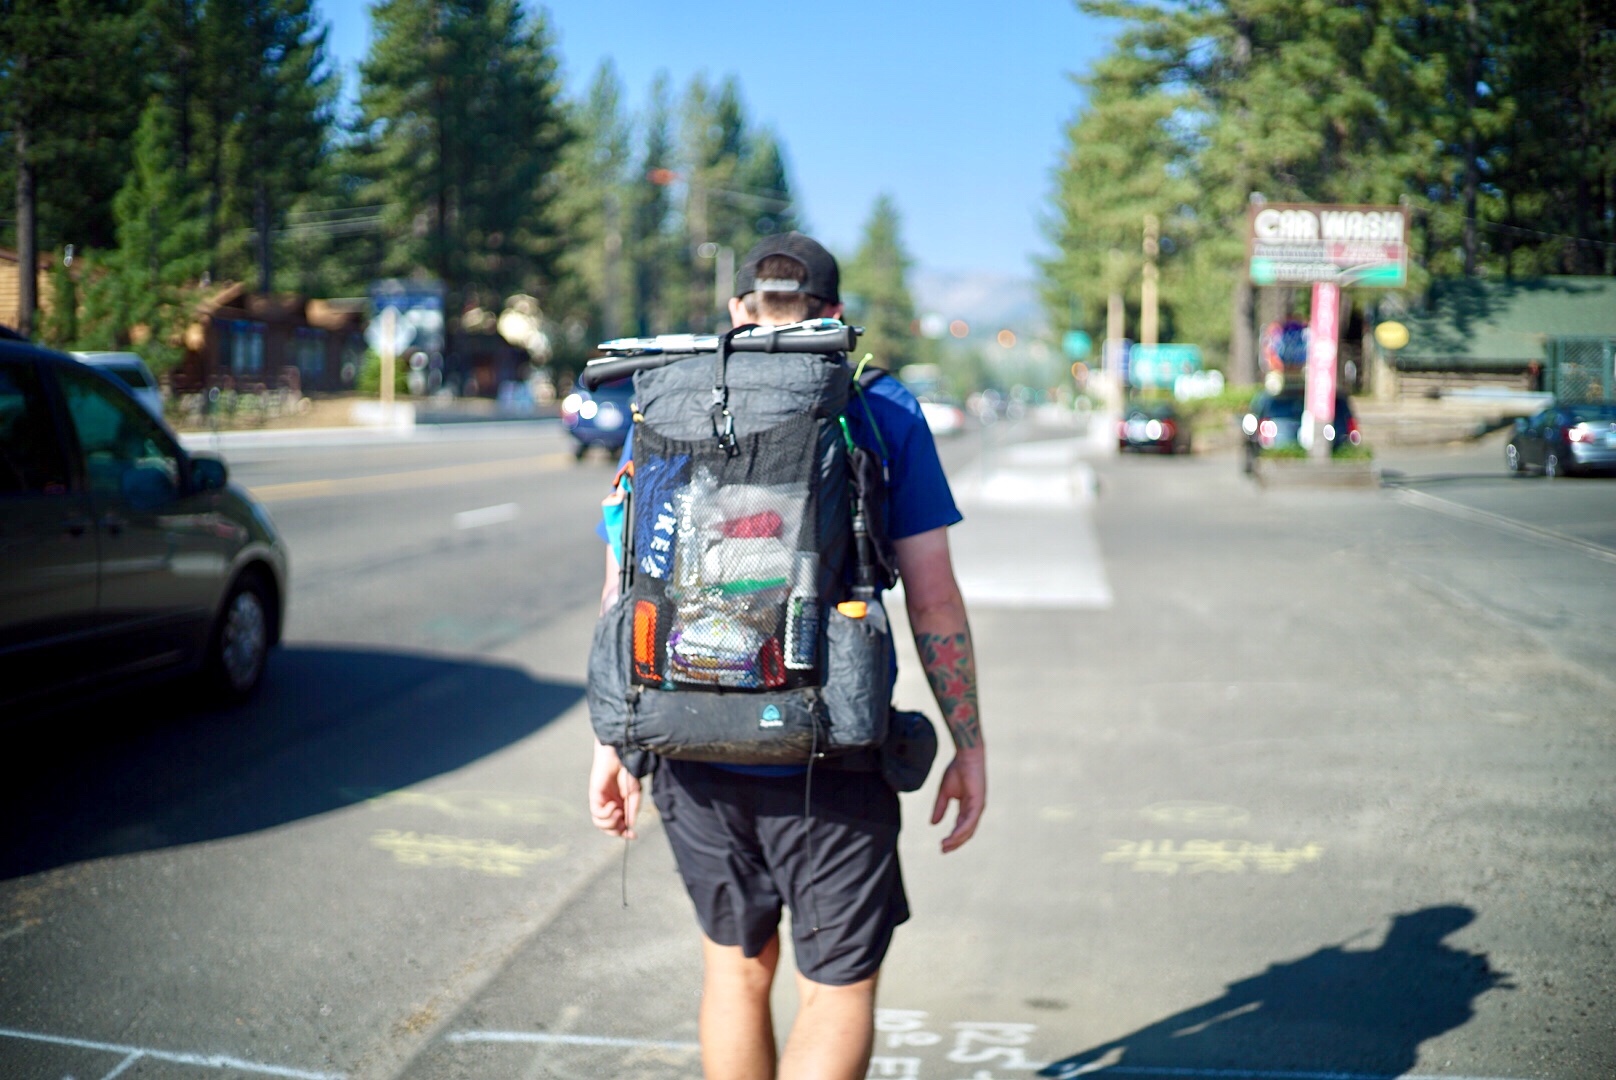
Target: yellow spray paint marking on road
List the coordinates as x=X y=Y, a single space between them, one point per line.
x=436 y=476
x=1201 y=814
x=477 y=805
x=489 y=857
x=1210 y=856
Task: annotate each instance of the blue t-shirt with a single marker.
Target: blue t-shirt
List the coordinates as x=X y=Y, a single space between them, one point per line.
x=918 y=496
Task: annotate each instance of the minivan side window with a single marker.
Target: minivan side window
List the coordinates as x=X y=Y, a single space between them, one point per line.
x=31 y=457
x=125 y=452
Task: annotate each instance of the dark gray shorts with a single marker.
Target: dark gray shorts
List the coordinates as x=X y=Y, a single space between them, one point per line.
x=743 y=847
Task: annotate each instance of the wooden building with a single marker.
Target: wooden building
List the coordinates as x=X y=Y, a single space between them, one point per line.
x=247 y=341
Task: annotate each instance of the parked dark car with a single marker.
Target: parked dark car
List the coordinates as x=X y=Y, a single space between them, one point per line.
x=1153 y=425
x=1275 y=420
x=121 y=555
x=1564 y=439
x=599 y=417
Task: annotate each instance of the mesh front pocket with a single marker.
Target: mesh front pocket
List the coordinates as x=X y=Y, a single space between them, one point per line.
x=732 y=594
x=735 y=561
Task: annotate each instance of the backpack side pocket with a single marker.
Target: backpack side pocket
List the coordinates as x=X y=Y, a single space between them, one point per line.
x=608 y=685
x=858 y=678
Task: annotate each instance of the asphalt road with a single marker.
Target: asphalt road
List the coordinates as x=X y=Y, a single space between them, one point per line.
x=1283 y=783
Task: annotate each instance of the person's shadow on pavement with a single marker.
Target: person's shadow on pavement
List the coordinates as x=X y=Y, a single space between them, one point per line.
x=1336 y=1011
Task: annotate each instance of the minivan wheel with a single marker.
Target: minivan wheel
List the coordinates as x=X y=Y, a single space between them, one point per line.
x=240 y=643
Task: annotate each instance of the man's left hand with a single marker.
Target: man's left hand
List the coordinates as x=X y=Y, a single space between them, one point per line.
x=965 y=781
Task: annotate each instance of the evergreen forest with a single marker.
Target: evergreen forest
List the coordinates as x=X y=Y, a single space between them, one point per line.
x=157 y=148
x=1493 y=120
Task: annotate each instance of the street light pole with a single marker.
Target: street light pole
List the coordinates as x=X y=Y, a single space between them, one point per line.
x=1148 y=333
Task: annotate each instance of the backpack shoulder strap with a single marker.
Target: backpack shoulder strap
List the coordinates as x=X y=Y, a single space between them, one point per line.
x=865 y=376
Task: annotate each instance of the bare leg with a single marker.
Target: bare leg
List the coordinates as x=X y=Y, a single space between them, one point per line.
x=737 y=1030
x=833 y=1034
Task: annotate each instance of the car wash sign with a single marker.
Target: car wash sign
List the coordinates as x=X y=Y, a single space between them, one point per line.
x=1302 y=243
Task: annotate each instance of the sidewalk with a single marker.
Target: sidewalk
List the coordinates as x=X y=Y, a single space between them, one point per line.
x=1275 y=806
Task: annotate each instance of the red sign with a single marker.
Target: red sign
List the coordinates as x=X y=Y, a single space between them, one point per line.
x=1322 y=346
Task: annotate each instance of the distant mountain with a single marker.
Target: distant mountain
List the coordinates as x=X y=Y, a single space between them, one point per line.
x=989 y=302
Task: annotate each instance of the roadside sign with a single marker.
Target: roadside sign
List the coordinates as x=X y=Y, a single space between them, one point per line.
x=417 y=315
x=1300 y=243
x=1284 y=345
x=1161 y=365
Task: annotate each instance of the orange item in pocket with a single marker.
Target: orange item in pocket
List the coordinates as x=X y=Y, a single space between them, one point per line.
x=645 y=639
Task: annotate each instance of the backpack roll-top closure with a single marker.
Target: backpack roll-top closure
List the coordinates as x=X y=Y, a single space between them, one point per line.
x=765 y=390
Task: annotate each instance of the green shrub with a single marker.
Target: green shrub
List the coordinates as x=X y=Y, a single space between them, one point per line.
x=370 y=375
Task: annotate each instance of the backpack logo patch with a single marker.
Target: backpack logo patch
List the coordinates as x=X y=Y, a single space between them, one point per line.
x=771 y=717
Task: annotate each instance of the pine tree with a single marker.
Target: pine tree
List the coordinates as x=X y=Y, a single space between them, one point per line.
x=459 y=104
x=876 y=291
x=143 y=298
x=653 y=245
x=69 y=91
x=591 y=203
x=736 y=188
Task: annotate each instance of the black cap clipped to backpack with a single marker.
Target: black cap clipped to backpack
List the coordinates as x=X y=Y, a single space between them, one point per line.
x=824 y=279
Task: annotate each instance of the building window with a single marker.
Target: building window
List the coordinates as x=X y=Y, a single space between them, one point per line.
x=308 y=351
x=243 y=346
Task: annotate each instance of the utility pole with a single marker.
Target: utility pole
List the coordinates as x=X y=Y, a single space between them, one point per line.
x=1115 y=328
x=696 y=220
x=609 y=285
x=1148 y=332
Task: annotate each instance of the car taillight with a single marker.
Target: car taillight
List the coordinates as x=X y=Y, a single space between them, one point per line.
x=1581 y=433
x=1267 y=432
x=1168 y=430
x=1354 y=436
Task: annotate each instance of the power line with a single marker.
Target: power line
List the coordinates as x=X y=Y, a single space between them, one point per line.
x=1516 y=229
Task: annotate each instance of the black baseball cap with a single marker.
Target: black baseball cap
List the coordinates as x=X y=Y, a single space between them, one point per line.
x=824 y=279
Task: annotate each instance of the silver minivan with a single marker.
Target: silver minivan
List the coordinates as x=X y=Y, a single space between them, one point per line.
x=129 y=369
x=122 y=555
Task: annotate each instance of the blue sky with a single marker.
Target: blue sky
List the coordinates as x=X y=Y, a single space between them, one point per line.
x=954 y=108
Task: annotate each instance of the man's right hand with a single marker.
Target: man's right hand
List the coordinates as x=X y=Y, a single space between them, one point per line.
x=614 y=794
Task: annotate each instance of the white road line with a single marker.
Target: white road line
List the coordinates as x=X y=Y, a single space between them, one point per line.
x=123 y=1065
x=547 y=1037
x=1426 y=501
x=1258 y=1074
x=487 y=515
x=205 y=1061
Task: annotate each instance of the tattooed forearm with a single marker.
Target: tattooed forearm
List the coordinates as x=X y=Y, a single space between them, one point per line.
x=951 y=670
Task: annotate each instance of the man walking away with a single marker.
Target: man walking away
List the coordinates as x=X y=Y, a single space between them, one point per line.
x=742 y=841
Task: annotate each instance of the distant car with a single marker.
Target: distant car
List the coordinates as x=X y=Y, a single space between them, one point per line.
x=1564 y=439
x=124 y=555
x=1153 y=426
x=943 y=417
x=599 y=417
x=132 y=371
x=1274 y=421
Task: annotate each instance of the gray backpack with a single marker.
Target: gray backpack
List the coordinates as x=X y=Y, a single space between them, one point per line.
x=746 y=630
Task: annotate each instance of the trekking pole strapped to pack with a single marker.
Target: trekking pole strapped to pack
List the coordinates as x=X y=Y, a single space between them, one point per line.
x=727 y=643
x=626 y=356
